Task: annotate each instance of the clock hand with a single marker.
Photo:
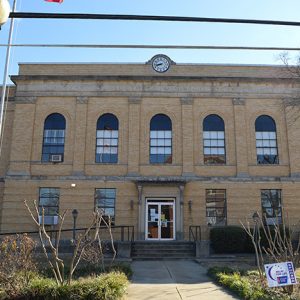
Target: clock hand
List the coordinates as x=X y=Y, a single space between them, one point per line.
x=159 y=64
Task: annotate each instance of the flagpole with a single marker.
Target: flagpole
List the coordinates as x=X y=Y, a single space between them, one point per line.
x=5 y=76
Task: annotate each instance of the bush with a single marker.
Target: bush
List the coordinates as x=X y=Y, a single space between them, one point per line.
x=234 y=239
x=228 y=239
x=246 y=284
x=17 y=266
x=109 y=286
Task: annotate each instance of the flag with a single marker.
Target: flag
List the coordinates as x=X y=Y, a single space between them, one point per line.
x=57 y=1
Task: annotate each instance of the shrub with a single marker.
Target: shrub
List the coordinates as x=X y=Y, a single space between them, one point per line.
x=108 y=286
x=246 y=284
x=228 y=239
x=17 y=266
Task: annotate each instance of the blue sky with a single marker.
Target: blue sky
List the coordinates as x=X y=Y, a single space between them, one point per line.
x=146 y=32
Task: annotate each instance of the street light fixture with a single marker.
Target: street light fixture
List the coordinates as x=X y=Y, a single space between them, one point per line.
x=4 y=11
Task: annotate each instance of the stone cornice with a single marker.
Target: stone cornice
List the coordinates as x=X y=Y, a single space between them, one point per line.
x=25 y=99
x=178 y=180
x=18 y=78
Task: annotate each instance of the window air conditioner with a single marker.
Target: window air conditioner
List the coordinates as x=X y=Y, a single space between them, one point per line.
x=49 y=220
x=56 y=158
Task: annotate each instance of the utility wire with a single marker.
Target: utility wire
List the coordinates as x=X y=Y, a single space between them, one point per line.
x=154 y=47
x=30 y=15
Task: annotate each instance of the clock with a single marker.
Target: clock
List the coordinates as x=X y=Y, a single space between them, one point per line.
x=160 y=63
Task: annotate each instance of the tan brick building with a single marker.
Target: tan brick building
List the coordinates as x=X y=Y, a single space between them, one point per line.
x=158 y=149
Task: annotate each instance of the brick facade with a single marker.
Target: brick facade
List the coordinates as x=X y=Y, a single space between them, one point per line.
x=134 y=94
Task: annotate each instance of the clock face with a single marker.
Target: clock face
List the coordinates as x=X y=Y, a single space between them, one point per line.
x=160 y=63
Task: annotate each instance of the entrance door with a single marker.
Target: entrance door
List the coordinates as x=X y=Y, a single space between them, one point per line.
x=160 y=221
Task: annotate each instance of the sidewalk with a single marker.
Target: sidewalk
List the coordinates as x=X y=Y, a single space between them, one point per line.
x=172 y=280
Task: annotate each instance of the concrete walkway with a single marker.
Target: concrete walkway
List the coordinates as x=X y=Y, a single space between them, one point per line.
x=172 y=280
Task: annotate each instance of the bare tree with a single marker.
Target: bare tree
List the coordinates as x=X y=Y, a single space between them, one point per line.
x=279 y=245
x=81 y=245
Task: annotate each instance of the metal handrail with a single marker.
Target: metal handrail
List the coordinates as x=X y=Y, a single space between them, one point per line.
x=127 y=232
x=195 y=233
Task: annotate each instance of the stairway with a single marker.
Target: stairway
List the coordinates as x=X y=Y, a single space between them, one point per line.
x=143 y=250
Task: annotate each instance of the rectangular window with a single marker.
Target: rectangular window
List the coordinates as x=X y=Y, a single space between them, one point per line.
x=107 y=146
x=161 y=146
x=216 y=211
x=53 y=143
x=49 y=200
x=266 y=147
x=214 y=147
x=105 y=201
x=271 y=206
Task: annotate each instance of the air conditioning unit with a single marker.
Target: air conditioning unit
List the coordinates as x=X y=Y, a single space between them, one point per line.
x=49 y=220
x=56 y=157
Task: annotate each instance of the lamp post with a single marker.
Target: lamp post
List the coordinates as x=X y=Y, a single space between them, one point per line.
x=75 y=215
x=255 y=218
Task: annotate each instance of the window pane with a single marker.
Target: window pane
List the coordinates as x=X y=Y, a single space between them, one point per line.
x=153 y=134
x=214 y=143
x=168 y=134
x=115 y=133
x=160 y=134
x=213 y=135
x=168 y=150
x=168 y=142
x=259 y=135
x=206 y=143
x=207 y=150
x=221 y=135
x=153 y=142
x=221 y=143
x=206 y=134
x=160 y=142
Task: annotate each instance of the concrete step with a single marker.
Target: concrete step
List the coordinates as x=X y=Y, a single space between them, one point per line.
x=162 y=250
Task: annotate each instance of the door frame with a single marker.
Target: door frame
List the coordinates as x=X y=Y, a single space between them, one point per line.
x=159 y=202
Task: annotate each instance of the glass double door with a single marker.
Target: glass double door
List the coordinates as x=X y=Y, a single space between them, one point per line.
x=160 y=221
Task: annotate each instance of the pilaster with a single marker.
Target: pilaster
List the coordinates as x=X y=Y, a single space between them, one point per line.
x=134 y=135
x=240 y=127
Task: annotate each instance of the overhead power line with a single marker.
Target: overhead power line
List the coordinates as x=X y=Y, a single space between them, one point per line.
x=189 y=47
x=30 y=15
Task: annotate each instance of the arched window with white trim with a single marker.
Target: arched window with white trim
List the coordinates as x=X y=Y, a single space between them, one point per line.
x=107 y=137
x=266 y=140
x=161 y=139
x=214 y=140
x=54 y=138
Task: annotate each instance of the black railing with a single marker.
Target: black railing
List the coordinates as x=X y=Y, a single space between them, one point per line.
x=195 y=233
x=119 y=233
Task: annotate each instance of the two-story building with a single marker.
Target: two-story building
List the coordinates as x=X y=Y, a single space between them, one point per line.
x=159 y=146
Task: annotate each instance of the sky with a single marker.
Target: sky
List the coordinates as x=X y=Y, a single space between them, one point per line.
x=44 y=31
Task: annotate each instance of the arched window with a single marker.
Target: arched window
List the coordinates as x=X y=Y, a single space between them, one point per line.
x=266 y=140
x=54 y=138
x=214 y=140
x=161 y=139
x=107 y=139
